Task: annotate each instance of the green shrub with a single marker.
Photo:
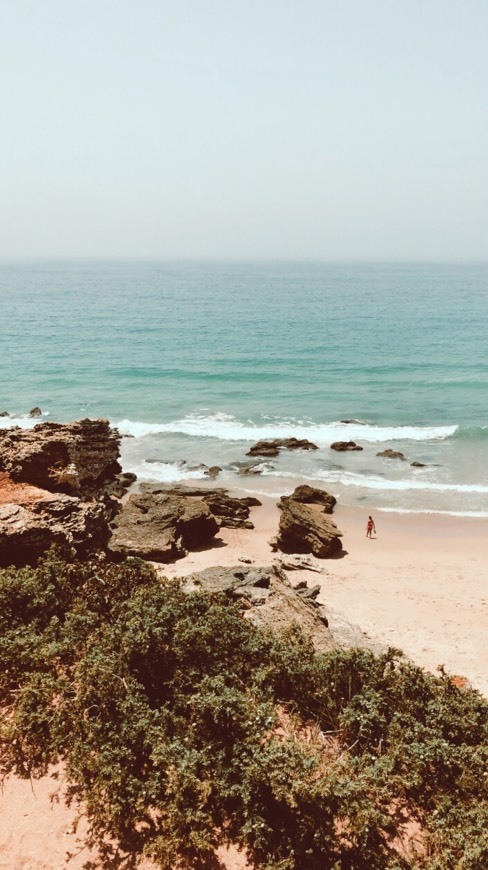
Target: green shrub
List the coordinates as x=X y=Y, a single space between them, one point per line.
x=182 y=727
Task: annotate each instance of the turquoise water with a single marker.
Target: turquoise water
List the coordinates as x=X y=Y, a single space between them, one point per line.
x=199 y=360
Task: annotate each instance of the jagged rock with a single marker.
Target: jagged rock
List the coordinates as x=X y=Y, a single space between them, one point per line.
x=272 y=448
x=418 y=464
x=154 y=524
x=309 y=592
x=264 y=448
x=298 y=562
x=4 y=414
x=342 y=446
x=311 y=495
x=213 y=471
x=267 y=599
x=32 y=519
x=35 y=412
x=75 y=458
x=305 y=528
x=391 y=454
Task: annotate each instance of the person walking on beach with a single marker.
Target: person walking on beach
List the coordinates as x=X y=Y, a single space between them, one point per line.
x=370 y=527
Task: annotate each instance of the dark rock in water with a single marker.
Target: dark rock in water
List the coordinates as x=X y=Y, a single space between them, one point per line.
x=267 y=599
x=306 y=528
x=417 y=464
x=272 y=448
x=391 y=454
x=32 y=519
x=342 y=446
x=213 y=471
x=35 y=412
x=356 y=422
x=159 y=526
x=75 y=458
x=264 y=448
x=4 y=414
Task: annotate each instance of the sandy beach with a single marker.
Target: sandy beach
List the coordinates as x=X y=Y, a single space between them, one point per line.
x=418 y=585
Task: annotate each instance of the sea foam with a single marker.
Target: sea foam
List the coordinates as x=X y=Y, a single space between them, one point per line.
x=228 y=428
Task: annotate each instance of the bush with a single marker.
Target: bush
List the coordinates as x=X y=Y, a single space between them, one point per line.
x=182 y=727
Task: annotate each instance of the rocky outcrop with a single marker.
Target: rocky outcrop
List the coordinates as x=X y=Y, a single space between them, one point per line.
x=311 y=495
x=391 y=454
x=267 y=599
x=35 y=412
x=54 y=489
x=162 y=523
x=75 y=458
x=343 y=446
x=273 y=447
x=417 y=464
x=160 y=526
x=33 y=519
x=305 y=527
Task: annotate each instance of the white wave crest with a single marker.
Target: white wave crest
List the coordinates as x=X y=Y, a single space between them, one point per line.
x=165 y=472
x=22 y=421
x=228 y=428
x=381 y=483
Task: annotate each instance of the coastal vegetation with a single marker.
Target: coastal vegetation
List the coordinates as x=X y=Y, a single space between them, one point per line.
x=182 y=726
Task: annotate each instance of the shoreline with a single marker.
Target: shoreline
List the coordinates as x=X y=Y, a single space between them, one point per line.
x=418 y=586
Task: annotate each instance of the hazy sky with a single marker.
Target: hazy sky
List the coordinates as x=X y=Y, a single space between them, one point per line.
x=329 y=129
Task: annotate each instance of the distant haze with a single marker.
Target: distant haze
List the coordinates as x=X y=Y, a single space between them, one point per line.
x=328 y=129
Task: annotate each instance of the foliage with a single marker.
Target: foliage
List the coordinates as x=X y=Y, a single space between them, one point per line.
x=182 y=727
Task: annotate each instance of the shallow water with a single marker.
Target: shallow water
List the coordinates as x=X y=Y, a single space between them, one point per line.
x=199 y=360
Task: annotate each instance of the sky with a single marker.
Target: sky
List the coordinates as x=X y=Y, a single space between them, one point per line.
x=244 y=129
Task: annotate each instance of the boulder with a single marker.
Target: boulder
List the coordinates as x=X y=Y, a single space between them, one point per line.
x=272 y=448
x=267 y=599
x=306 y=528
x=160 y=526
x=4 y=414
x=33 y=519
x=417 y=464
x=35 y=412
x=75 y=458
x=343 y=446
x=391 y=454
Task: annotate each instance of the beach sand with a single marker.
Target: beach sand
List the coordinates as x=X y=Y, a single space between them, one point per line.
x=420 y=585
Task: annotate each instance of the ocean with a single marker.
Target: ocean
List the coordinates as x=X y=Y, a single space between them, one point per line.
x=197 y=361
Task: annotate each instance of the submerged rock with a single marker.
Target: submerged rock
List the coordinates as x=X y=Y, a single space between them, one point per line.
x=272 y=447
x=391 y=454
x=343 y=446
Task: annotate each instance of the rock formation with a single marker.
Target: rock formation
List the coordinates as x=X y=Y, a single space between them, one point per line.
x=272 y=448
x=343 y=446
x=32 y=519
x=267 y=599
x=75 y=458
x=162 y=523
x=54 y=482
x=305 y=527
x=159 y=526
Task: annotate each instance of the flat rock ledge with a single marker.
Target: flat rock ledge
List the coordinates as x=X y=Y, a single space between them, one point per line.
x=163 y=523
x=305 y=526
x=267 y=599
